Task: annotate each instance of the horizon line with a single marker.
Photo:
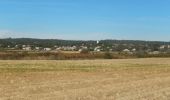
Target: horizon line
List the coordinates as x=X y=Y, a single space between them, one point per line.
x=83 y=39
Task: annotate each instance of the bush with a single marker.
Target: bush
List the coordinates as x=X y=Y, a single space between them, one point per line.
x=108 y=55
x=84 y=51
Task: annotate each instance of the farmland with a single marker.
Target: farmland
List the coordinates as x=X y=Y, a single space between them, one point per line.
x=118 y=79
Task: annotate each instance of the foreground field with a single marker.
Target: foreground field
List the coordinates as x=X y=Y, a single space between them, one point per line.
x=126 y=79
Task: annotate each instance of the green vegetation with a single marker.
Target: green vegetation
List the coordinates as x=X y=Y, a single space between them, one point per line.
x=23 y=55
x=20 y=55
x=115 y=45
x=53 y=49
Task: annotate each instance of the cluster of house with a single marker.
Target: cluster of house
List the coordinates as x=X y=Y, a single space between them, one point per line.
x=98 y=48
x=29 y=48
x=58 y=48
x=55 y=48
x=129 y=51
x=74 y=48
x=149 y=51
x=164 y=47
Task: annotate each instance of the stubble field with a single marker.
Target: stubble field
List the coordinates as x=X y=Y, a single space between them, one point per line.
x=121 y=79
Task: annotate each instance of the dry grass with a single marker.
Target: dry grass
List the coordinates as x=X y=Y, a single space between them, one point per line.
x=126 y=79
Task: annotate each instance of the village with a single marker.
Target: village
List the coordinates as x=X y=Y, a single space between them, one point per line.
x=98 y=47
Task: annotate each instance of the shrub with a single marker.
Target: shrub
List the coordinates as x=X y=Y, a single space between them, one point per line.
x=108 y=55
x=84 y=51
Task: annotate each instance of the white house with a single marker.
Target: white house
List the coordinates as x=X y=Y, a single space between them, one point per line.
x=37 y=48
x=27 y=48
x=47 y=49
x=162 y=47
x=155 y=52
x=98 y=42
x=23 y=46
x=126 y=50
x=97 y=49
x=168 y=46
x=133 y=50
x=16 y=46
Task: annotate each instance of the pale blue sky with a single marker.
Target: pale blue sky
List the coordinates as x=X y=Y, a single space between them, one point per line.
x=86 y=19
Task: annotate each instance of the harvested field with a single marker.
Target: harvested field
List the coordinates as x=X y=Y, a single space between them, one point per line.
x=121 y=79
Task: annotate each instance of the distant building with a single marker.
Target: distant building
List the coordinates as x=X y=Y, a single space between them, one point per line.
x=98 y=42
x=59 y=48
x=98 y=49
x=47 y=49
x=80 y=50
x=110 y=49
x=55 y=46
x=162 y=47
x=154 y=52
x=27 y=48
x=23 y=46
x=37 y=48
x=68 y=48
x=16 y=46
x=168 y=46
x=126 y=50
x=133 y=50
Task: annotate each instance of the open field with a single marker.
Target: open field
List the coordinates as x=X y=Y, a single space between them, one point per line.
x=121 y=79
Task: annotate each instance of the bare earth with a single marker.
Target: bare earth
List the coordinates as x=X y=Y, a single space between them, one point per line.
x=128 y=79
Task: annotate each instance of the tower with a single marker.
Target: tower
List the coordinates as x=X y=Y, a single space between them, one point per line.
x=98 y=42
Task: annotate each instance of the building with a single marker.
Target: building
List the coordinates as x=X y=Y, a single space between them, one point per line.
x=168 y=46
x=47 y=49
x=133 y=50
x=98 y=42
x=27 y=48
x=162 y=47
x=23 y=46
x=98 y=49
x=154 y=52
x=37 y=48
x=126 y=50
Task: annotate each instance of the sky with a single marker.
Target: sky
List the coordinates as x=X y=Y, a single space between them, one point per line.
x=86 y=19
